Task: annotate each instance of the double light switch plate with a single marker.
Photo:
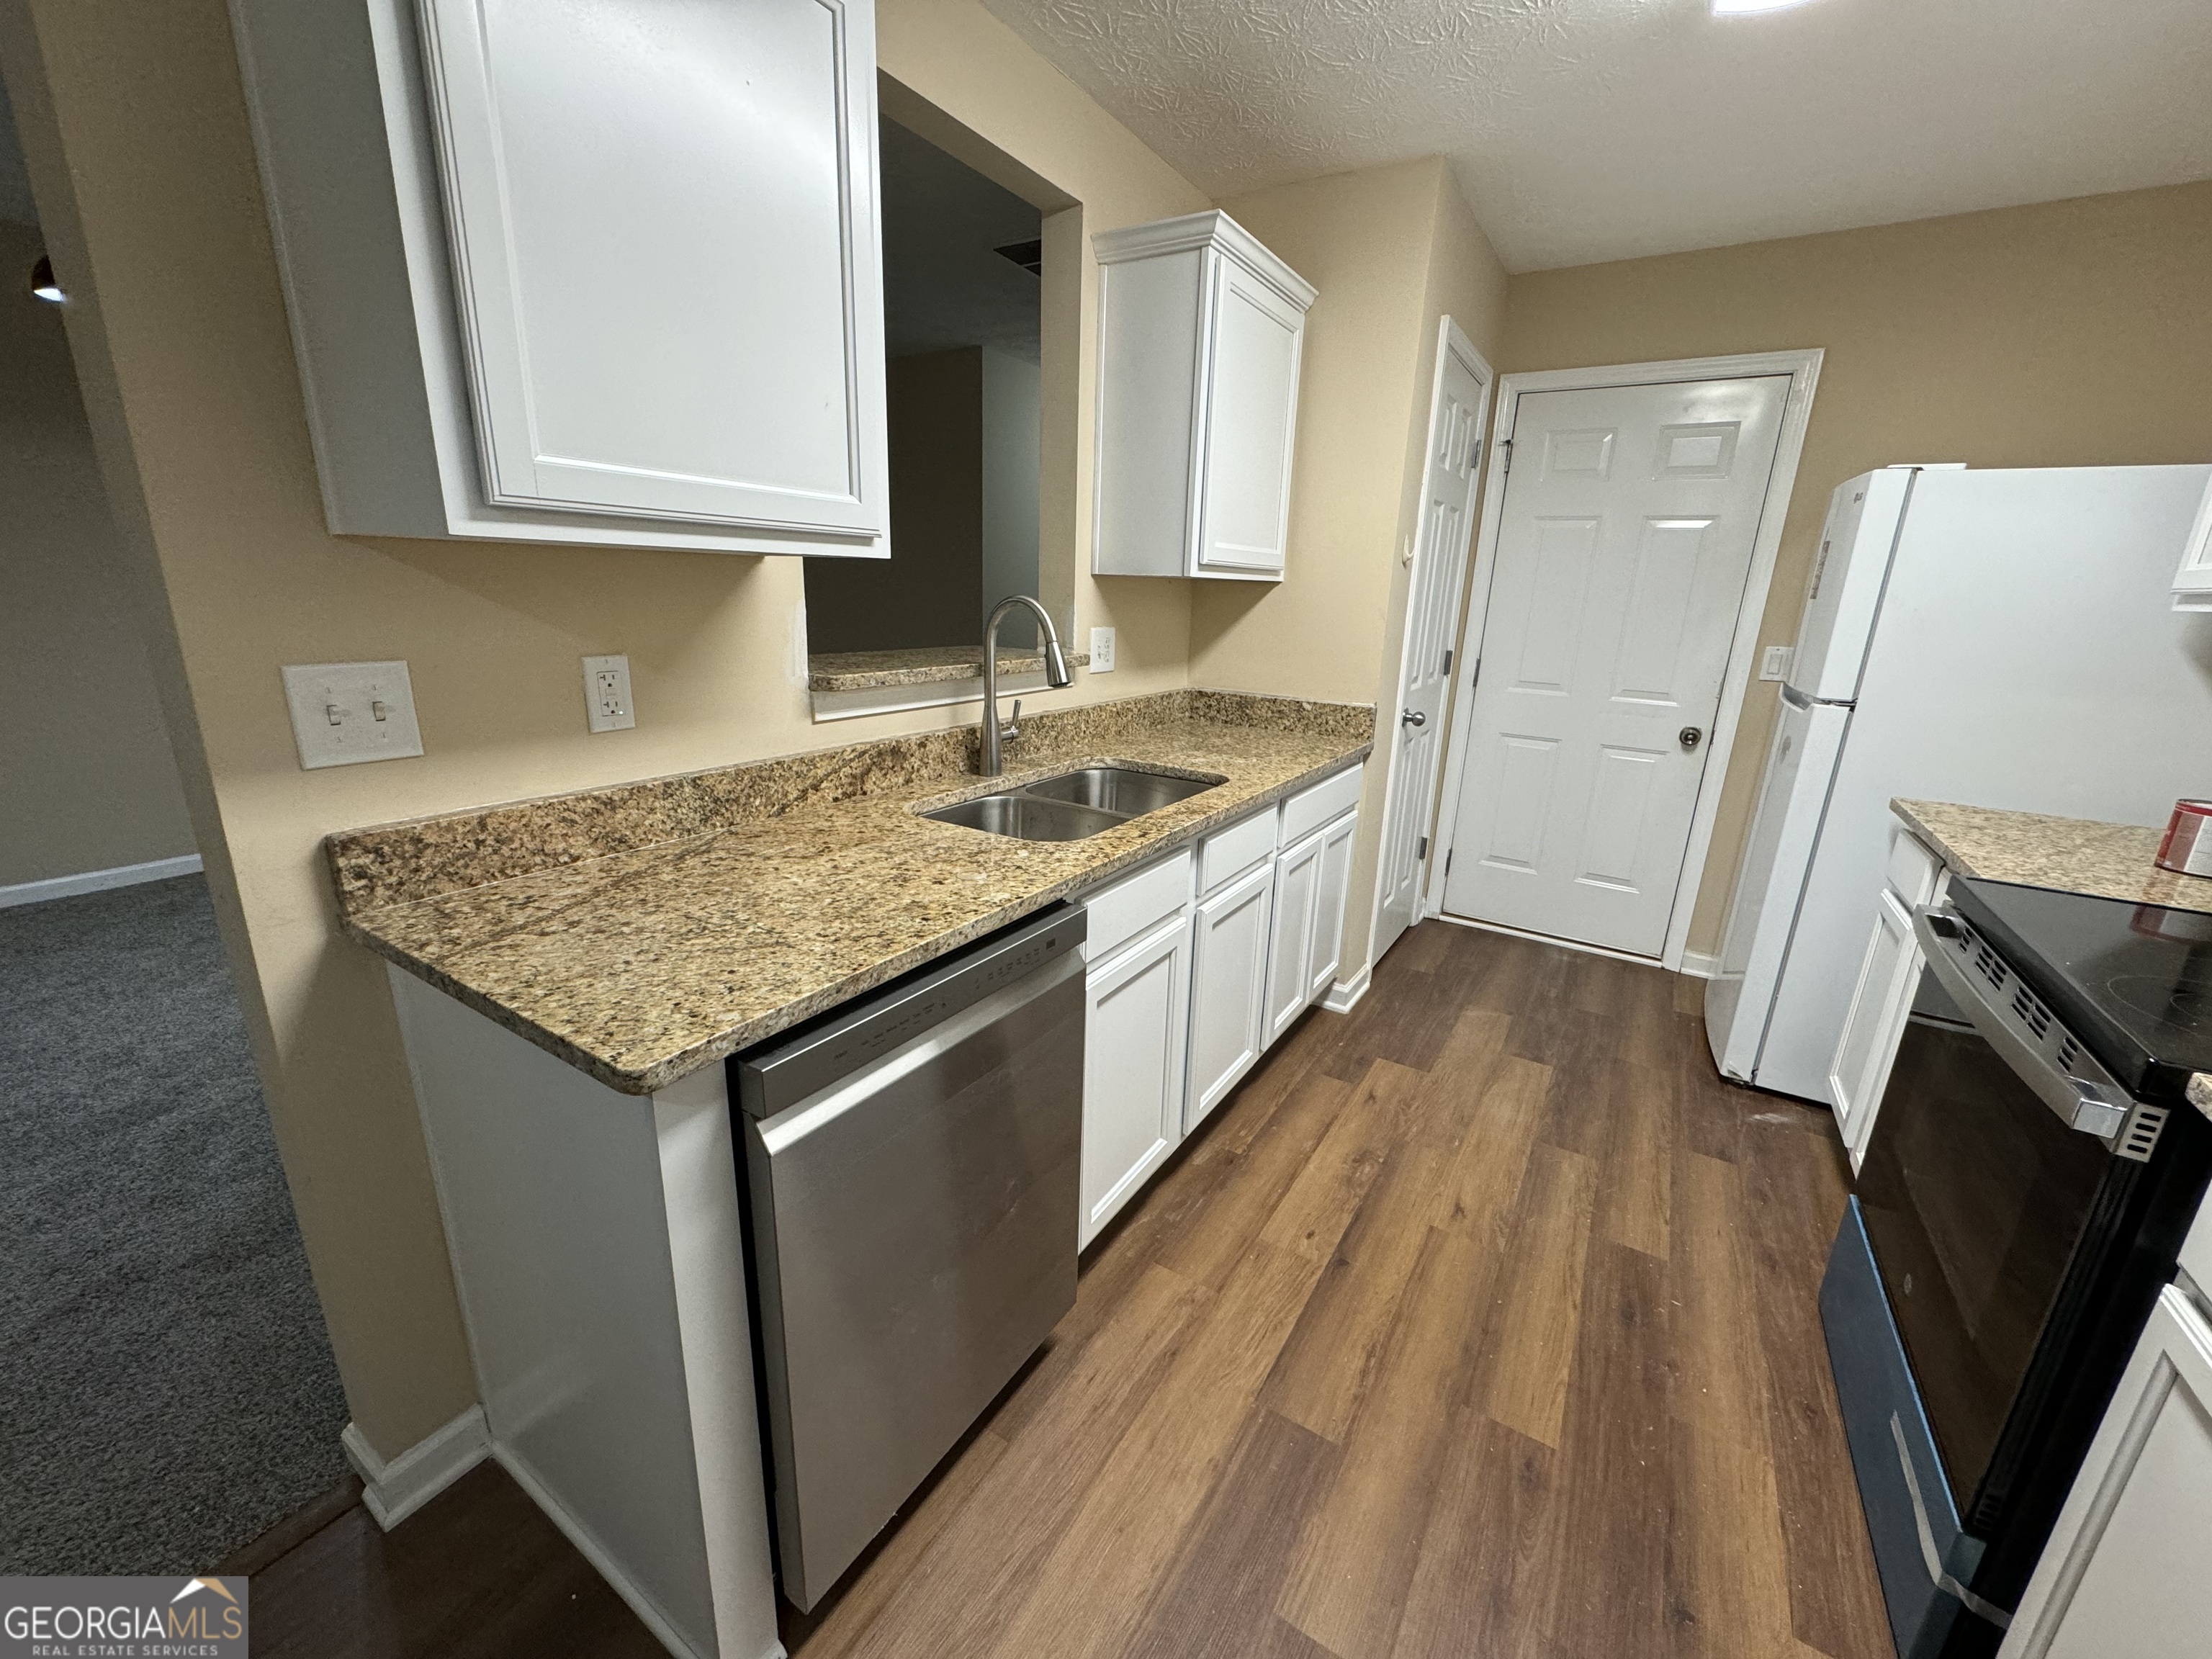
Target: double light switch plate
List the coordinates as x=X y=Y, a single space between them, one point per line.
x=345 y=713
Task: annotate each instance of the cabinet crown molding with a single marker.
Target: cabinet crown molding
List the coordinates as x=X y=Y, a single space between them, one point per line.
x=1214 y=229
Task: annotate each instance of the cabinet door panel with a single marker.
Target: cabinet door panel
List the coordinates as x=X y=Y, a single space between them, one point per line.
x=1229 y=979
x=1133 y=1070
x=1291 y=935
x=2123 y=1575
x=1326 y=956
x=1888 y=974
x=664 y=236
x=1250 y=422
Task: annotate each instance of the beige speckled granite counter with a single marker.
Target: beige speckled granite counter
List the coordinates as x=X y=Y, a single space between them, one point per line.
x=2075 y=855
x=925 y=665
x=644 y=931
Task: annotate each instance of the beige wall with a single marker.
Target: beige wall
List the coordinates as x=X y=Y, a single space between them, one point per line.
x=86 y=781
x=925 y=592
x=136 y=129
x=1391 y=250
x=2074 y=333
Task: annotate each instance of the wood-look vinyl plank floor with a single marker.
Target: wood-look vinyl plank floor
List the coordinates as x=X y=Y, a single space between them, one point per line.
x=1517 y=1354
x=1477 y=1323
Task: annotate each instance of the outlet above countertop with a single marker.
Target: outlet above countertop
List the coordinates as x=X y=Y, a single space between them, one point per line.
x=2073 y=855
x=644 y=931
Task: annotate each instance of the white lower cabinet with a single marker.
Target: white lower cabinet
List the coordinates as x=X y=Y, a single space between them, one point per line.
x=1291 y=937
x=1325 y=955
x=1228 y=983
x=1197 y=962
x=2124 y=1575
x=1881 y=1001
x=1888 y=975
x=1304 y=945
x=1132 y=1067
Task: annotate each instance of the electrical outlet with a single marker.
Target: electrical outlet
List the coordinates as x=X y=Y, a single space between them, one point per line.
x=606 y=694
x=1774 y=662
x=1102 y=650
x=345 y=713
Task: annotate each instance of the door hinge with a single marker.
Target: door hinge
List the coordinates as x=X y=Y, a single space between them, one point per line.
x=1421 y=851
x=1446 y=669
x=1506 y=444
x=1472 y=675
x=1448 y=857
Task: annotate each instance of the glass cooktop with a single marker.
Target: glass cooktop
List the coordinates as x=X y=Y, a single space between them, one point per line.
x=2133 y=981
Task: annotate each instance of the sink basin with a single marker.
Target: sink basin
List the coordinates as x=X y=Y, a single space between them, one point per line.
x=1117 y=789
x=1028 y=818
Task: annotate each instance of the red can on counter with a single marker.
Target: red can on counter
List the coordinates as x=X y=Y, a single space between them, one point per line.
x=2187 y=848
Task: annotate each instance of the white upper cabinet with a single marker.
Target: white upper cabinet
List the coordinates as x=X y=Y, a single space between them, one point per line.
x=2193 y=583
x=595 y=271
x=1199 y=332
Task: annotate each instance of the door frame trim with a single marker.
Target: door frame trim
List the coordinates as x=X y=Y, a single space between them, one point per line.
x=1451 y=341
x=1803 y=369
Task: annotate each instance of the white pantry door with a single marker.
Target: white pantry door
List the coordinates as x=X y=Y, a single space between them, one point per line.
x=1624 y=543
x=1456 y=414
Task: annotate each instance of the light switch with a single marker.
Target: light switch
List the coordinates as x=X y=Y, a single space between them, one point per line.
x=606 y=694
x=1102 y=650
x=1774 y=662
x=344 y=713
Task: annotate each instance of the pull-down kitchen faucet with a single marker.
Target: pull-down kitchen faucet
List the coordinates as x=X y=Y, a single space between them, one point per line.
x=1056 y=675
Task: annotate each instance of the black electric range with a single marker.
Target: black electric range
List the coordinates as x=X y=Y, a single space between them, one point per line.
x=2134 y=981
x=2032 y=1172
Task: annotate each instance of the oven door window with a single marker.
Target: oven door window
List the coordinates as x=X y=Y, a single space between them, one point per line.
x=1975 y=1198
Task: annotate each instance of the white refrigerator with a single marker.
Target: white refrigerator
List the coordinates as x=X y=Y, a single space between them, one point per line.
x=1997 y=638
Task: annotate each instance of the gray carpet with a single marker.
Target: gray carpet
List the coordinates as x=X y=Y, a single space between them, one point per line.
x=167 y=1389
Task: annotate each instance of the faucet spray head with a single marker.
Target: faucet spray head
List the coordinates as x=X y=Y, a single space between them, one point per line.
x=1056 y=671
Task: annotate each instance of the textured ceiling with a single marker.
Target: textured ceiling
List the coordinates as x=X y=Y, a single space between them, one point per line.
x=1589 y=129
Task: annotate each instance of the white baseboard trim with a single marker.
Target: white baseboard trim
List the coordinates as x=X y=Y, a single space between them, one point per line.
x=1701 y=964
x=98 y=881
x=395 y=1490
x=1345 y=992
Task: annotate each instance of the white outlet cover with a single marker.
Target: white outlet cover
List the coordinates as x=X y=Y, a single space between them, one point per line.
x=345 y=713
x=1102 y=650
x=607 y=706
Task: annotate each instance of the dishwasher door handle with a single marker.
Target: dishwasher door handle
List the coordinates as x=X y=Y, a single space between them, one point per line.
x=792 y=1125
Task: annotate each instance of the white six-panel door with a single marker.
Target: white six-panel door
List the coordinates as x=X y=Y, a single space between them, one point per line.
x=1456 y=414
x=1625 y=536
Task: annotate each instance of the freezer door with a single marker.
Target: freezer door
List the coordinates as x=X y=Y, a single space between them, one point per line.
x=1800 y=764
x=1864 y=517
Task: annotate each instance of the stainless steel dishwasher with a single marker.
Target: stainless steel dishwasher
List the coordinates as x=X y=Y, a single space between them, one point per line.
x=911 y=1162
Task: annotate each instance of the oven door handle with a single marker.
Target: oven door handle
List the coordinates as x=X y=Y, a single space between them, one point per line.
x=2080 y=1104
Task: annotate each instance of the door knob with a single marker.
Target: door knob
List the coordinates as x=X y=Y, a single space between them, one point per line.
x=1414 y=717
x=1690 y=737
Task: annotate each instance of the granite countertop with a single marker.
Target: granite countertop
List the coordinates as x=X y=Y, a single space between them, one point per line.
x=644 y=931
x=2075 y=856
x=923 y=665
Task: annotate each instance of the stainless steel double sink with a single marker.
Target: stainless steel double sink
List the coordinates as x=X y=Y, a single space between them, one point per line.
x=1072 y=805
